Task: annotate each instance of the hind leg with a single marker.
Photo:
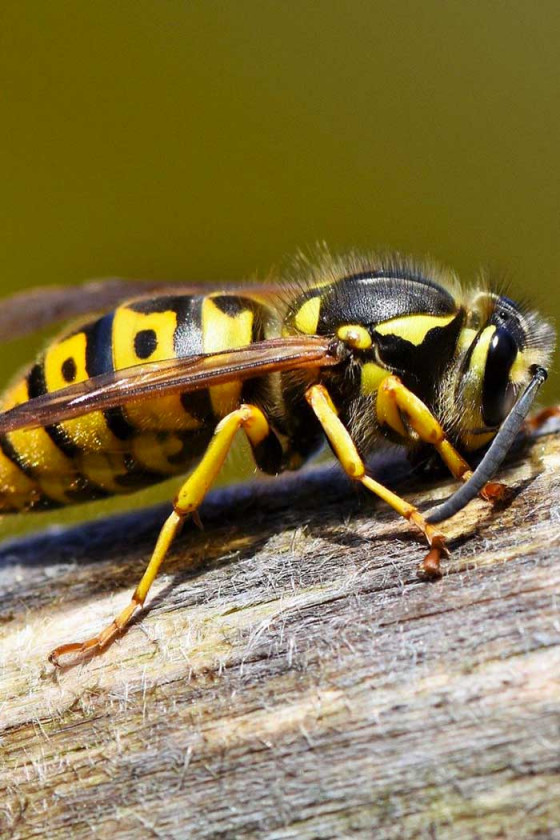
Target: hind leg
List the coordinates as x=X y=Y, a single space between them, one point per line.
x=190 y=496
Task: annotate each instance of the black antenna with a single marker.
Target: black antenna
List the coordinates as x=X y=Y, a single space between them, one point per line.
x=495 y=455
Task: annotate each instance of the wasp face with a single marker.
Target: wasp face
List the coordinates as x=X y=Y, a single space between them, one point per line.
x=498 y=350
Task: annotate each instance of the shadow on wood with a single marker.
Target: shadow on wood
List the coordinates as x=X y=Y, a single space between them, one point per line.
x=291 y=676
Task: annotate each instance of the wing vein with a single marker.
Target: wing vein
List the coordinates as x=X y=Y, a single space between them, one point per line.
x=171 y=376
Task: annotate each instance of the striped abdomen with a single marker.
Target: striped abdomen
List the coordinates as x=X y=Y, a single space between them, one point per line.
x=126 y=448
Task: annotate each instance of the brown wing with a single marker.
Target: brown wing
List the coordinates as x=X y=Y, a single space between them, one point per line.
x=26 y=312
x=170 y=377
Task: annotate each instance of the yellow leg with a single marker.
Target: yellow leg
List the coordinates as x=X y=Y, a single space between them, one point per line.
x=189 y=498
x=346 y=452
x=394 y=399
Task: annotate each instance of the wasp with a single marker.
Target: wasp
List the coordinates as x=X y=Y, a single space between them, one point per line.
x=356 y=350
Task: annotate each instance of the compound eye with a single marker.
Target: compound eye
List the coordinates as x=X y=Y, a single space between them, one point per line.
x=498 y=392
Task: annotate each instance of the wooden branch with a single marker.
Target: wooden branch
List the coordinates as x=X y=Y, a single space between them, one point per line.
x=292 y=676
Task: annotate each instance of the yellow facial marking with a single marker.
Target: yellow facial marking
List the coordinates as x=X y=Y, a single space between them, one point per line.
x=471 y=391
x=413 y=328
x=307 y=316
x=480 y=353
x=355 y=336
x=466 y=338
x=221 y=331
x=519 y=369
x=372 y=377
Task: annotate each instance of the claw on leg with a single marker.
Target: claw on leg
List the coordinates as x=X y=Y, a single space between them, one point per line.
x=354 y=467
x=494 y=491
x=187 y=502
x=431 y=564
x=80 y=651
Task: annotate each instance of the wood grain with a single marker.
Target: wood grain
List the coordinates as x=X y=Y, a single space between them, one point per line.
x=292 y=676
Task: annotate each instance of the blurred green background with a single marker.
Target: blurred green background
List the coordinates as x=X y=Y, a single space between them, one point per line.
x=208 y=140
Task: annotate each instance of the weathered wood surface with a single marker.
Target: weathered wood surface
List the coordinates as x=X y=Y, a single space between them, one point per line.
x=292 y=676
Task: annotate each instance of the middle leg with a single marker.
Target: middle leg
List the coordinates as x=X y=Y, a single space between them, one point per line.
x=345 y=449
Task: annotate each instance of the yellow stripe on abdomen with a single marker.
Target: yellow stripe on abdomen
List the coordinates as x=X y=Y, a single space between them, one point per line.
x=140 y=337
x=52 y=473
x=64 y=365
x=223 y=331
x=17 y=490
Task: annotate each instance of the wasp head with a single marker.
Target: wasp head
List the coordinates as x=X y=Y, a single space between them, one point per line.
x=499 y=348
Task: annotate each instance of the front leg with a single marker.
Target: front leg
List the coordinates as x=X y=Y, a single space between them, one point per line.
x=394 y=400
